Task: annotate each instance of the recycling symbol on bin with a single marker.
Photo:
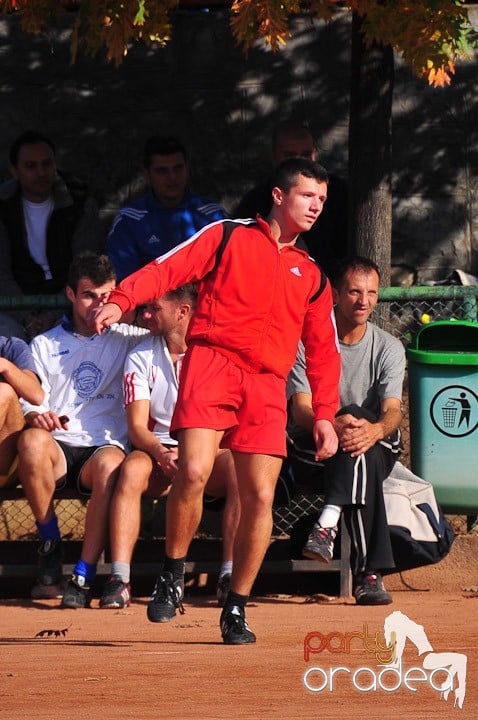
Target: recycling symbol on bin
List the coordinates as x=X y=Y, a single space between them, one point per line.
x=454 y=411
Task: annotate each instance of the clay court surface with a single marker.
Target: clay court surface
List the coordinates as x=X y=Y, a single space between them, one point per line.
x=115 y=664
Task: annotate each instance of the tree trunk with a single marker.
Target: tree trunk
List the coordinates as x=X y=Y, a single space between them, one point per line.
x=370 y=151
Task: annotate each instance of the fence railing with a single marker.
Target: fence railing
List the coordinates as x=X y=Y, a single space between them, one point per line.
x=465 y=297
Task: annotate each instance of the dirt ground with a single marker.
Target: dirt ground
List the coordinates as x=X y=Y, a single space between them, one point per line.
x=105 y=664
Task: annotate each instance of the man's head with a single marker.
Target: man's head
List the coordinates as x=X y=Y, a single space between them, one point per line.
x=91 y=278
x=355 y=285
x=32 y=163
x=299 y=191
x=292 y=139
x=171 y=312
x=166 y=169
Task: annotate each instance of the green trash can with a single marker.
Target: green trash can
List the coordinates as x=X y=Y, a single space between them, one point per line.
x=443 y=402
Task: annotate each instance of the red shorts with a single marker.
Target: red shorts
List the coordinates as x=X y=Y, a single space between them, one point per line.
x=215 y=393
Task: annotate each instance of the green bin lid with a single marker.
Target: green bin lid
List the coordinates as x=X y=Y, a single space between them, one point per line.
x=445 y=342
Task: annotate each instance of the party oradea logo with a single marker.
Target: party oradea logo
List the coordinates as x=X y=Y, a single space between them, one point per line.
x=444 y=672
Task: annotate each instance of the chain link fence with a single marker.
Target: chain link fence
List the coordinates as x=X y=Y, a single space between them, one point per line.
x=401 y=311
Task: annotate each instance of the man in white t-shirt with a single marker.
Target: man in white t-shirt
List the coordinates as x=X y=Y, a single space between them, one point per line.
x=78 y=436
x=151 y=381
x=367 y=425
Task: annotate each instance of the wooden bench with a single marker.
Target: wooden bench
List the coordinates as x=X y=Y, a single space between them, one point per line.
x=18 y=555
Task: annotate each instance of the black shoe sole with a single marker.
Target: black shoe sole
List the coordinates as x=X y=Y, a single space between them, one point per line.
x=113 y=606
x=315 y=556
x=73 y=606
x=374 y=601
x=154 y=619
x=239 y=641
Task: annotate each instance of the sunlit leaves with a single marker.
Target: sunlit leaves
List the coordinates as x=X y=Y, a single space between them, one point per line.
x=267 y=19
x=100 y=25
x=430 y=35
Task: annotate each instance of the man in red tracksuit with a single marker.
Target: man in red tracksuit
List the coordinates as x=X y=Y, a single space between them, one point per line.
x=257 y=296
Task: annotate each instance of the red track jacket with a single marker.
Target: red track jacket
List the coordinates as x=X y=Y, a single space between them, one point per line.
x=255 y=301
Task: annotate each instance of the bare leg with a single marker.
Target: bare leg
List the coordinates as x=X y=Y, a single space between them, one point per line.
x=197 y=453
x=40 y=465
x=99 y=474
x=125 y=513
x=257 y=477
x=11 y=424
x=223 y=483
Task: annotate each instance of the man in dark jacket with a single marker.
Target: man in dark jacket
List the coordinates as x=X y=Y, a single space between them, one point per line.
x=45 y=220
x=327 y=238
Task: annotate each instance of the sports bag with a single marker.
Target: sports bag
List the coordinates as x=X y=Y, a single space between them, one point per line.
x=419 y=532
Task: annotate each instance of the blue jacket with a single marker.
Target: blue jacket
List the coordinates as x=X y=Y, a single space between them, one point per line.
x=145 y=229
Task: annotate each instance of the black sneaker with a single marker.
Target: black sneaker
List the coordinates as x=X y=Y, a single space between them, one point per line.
x=166 y=598
x=50 y=557
x=77 y=593
x=234 y=627
x=116 y=593
x=320 y=544
x=369 y=589
x=222 y=589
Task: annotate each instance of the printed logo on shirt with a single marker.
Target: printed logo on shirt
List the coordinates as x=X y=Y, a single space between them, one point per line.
x=153 y=240
x=62 y=352
x=295 y=271
x=86 y=379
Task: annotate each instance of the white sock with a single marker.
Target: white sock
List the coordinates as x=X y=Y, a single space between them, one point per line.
x=329 y=517
x=122 y=569
x=226 y=568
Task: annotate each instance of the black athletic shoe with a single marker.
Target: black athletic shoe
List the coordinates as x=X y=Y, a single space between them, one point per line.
x=369 y=589
x=50 y=557
x=166 y=599
x=222 y=589
x=234 y=627
x=77 y=594
x=320 y=543
x=116 y=593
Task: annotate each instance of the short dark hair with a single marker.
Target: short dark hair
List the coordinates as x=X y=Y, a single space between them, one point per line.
x=98 y=268
x=291 y=128
x=30 y=137
x=159 y=145
x=285 y=174
x=184 y=293
x=353 y=262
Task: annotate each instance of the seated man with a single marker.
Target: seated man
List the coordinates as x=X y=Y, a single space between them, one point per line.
x=163 y=218
x=367 y=425
x=327 y=238
x=45 y=220
x=150 y=391
x=18 y=378
x=79 y=434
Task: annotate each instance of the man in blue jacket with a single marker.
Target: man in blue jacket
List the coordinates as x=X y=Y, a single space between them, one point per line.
x=166 y=216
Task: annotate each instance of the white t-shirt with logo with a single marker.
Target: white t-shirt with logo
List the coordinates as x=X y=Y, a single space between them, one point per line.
x=82 y=378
